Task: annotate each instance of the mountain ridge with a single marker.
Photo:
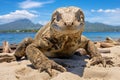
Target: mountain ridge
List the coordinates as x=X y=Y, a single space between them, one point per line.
x=100 y=27
x=21 y=24
x=26 y=24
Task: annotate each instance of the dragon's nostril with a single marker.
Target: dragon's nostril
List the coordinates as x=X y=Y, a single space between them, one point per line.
x=68 y=23
x=72 y=23
x=65 y=24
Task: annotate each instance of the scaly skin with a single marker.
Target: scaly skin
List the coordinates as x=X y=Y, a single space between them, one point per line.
x=61 y=37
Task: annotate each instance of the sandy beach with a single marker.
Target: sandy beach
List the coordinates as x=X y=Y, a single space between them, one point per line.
x=23 y=69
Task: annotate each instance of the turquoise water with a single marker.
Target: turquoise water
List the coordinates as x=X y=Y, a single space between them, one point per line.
x=17 y=37
x=14 y=38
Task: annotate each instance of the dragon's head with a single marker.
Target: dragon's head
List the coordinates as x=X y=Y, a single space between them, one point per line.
x=68 y=20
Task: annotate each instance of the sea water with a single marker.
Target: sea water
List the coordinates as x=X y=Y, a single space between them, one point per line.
x=15 y=38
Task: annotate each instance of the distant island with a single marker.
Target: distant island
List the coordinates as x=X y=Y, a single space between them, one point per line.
x=25 y=25
x=100 y=27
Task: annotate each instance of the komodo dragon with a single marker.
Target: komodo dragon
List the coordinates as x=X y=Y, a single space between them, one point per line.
x=61 y=37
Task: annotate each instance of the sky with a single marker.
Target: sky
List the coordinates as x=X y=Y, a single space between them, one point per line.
x=40 y=11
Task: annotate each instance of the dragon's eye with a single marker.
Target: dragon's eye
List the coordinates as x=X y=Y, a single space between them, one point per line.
x=82 y=19
x=58 y=17
x=79 y=16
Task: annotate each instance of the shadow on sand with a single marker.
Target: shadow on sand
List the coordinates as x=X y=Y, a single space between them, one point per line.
x=75 y=64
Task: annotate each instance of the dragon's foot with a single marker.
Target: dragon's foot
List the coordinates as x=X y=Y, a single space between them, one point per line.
x=100 y=60
x=48 y=65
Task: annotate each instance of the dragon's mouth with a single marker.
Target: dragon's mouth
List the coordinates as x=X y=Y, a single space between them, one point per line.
x=67 y=30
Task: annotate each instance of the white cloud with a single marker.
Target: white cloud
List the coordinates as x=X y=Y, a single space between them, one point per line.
x=18 y=14
x=33 y=4
x=100 y=10
x=92 y=10
x=107 y=10
x=107 y=16
x=34 y=11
